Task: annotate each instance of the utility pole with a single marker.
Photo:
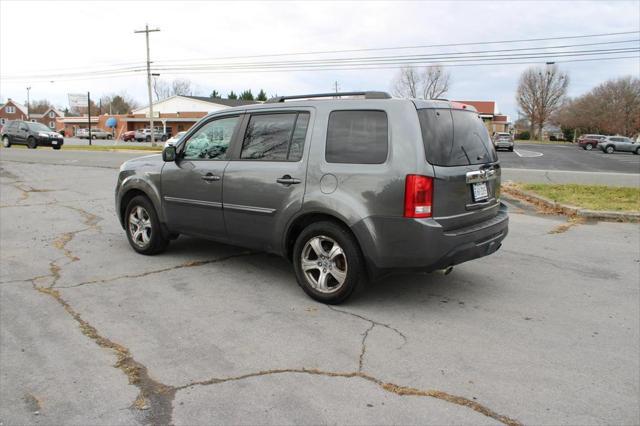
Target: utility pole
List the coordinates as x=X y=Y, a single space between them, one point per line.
x=335 y=86
x=28 y=109
x=146 y=31
x=89 y=114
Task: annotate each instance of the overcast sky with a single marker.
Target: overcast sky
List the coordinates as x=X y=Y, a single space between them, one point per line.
x=37 y=37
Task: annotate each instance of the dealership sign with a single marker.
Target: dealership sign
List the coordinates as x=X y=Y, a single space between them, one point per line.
x=80 y=100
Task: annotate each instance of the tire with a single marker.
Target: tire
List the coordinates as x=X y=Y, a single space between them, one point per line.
x=588 y=147
x=6 y=142
x=150 y=239
x=637 y=151
x=31 y=143
x=510 y=149
x=57 y=147
x=610 y=149
x=147 y=139
x=94 y=137
x=329 y=277
x=163 y=138
x=109 y=137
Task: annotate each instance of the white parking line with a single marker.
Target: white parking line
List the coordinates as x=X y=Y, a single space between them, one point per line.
x=527 y=154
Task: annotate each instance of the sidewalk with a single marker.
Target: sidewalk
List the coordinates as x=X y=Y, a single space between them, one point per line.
x=567 y=176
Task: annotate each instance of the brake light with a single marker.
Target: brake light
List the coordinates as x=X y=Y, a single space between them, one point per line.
x=418 y=196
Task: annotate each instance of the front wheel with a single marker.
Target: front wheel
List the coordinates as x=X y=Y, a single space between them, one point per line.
x=328 y=263
x=94 y=137
x=588 y=147
x=6 y=142
x=637 y=151
x=31 y=143
x=109 y=137
x=610 y=149
x=143 y=227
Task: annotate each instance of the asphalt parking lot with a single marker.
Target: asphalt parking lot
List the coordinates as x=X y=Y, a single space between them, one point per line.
x=545 y=331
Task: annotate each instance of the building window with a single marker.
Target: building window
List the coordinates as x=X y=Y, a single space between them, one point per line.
x=10 y=109
x=52 y=124
x=52 y=114
x=33 y=120
x=2 y=121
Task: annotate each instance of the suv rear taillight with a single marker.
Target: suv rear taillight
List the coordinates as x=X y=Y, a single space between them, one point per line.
x=418 y=196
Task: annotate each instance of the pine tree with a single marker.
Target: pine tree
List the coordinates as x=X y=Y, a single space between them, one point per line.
x=246 y=95
x=262 y=96
x=232 y=95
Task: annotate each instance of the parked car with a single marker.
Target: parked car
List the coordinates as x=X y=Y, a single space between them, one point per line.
x=174 y=139
x=129 y=136
x=144 y=135
x=611 y=144
x=502 y=140
x=96 y=133
x=30 y=134
x=347 y=189
x=589 y=142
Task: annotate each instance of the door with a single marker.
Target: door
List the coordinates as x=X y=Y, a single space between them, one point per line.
x=21 y=132
x=265 y=180
x=192 y=185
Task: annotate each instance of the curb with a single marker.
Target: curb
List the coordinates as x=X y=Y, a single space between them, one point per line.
x=569 y=210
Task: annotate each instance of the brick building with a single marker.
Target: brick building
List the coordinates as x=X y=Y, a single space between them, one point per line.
x=12 y=110
x=493 y=120
x=48 y=118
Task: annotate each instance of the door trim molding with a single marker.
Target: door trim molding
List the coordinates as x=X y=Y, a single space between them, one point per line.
x=193 y=202
x=249 y=209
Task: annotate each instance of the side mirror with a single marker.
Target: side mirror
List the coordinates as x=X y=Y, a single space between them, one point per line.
x=169 y=153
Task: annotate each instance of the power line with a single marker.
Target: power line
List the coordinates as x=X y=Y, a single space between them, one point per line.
x=140 y=64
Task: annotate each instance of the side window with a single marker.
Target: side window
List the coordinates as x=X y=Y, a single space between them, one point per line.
x=212 y=140
x=275 y=137
x=357 y=137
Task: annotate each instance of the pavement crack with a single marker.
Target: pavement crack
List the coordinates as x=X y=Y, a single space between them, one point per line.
x=386 y=386
x=190 y=264
x=363 y=347
x=154 y=398
x=387 y=326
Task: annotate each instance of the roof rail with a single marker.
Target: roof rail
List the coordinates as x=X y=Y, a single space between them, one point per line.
x=367 y=95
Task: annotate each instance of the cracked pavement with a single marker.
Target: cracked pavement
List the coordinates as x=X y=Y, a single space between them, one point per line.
x=542 y=332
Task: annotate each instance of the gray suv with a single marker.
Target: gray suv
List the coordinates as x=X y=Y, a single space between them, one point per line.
x=348 y=188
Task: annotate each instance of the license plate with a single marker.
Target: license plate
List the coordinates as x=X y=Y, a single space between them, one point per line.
x=54 y=142
x=480 y=191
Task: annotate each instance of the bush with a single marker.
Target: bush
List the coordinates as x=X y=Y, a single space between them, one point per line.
x=524 y=135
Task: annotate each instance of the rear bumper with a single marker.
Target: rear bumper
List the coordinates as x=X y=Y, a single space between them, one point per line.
x=423 y=245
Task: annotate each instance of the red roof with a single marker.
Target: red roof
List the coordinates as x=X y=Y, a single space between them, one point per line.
x=500 y=118
x=483 y=107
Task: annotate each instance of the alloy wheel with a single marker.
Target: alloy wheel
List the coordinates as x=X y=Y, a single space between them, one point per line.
x=324 y=264
x=140 y=226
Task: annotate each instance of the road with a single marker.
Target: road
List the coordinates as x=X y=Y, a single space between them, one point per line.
x=542 y=332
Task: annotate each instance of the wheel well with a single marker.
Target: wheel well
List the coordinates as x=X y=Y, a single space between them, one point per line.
x=126 y=198
x=305 y=220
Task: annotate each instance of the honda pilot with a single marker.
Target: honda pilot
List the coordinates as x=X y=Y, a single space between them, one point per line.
x=348 y=187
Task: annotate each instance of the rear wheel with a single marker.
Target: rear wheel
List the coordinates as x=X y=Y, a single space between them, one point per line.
x=31 y=143
x=588 y=147
x=328 y=263
x=6 y=142
x=148 y=139
x=143 y=227
x=610 y=149
x=94 y=137
x=637 y=151
x=109 y=137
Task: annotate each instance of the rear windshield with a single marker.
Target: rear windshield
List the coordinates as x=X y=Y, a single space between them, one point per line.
x=454 y=137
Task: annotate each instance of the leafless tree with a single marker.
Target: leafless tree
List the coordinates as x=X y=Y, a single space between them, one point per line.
x=408 y=83
x=164 y=89
x=118 y=103
x=540 y=92
x=435 y=82
x=613 y=107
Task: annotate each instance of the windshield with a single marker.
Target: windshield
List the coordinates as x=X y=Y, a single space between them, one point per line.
x=454 y=137
x=38 y=127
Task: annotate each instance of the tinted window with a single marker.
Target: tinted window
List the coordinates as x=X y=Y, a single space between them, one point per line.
x=455 y=137
x=212 y=140
x=275 y=137
x=357 y=137
x=38 y=127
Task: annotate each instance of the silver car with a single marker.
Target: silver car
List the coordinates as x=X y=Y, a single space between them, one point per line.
x=96 y=133
x=611 y=144
x=503 y=140
x=346 y=189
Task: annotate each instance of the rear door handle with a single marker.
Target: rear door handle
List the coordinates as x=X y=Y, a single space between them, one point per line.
x=288 y=180
x=210 y=177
